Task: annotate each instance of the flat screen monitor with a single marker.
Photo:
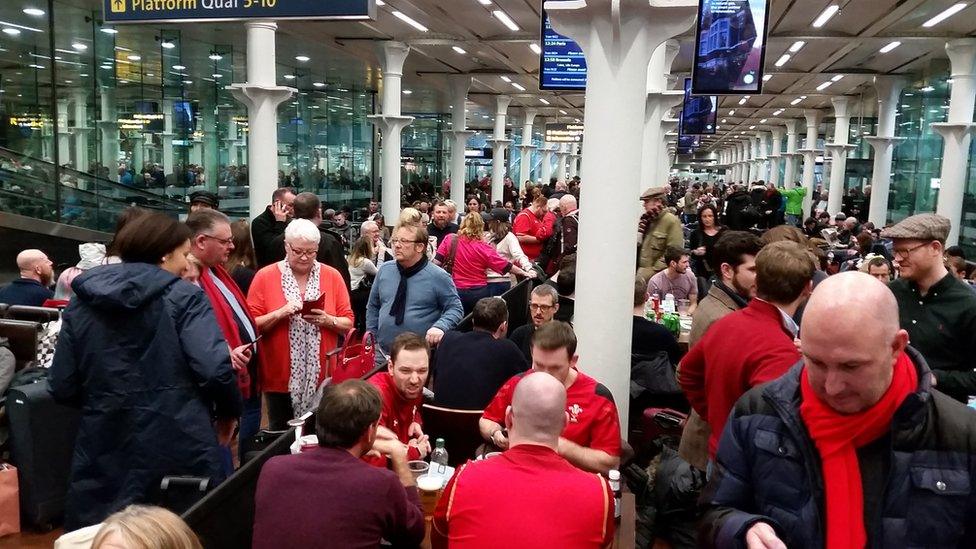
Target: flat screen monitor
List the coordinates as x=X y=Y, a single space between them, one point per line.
x=730 y=47
x=688 y=141
x=562 y=65
x=184 y=117
x=154 y=122
x=698 y=113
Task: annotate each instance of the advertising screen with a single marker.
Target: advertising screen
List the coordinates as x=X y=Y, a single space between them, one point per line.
x=562 y=65
x=731 y=46
x=698 y=113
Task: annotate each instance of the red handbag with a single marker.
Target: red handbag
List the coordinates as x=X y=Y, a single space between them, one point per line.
x=354 y=359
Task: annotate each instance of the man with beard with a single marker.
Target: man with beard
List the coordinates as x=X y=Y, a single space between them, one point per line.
x=36 y=274
x=440 y=223
x=656 y=231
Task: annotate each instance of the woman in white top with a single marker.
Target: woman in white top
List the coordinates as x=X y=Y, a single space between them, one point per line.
x=500 y=234
x=362 y=271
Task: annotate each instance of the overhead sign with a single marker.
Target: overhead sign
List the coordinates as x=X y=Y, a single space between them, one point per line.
x=731 y=46
x=562 y=65
x=699 y=113
x=141 y=11
x=564 y=133
x=688 y=143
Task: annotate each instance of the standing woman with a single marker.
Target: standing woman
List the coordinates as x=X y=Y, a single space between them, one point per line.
x=499 y=235
x=472 y=257
x=362 y=272
x=703 y=239
x=294 y=346
x=474 y=206
x=141 y=353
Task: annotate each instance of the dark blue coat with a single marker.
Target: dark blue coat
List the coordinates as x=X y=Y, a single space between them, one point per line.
x=141 y=354
x=919 y=480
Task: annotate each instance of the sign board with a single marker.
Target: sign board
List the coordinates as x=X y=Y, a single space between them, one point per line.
x=142 y=11
x=564 y=133
x=730 y=47
x=699 y=113
x=562 y=65
x=687 y=144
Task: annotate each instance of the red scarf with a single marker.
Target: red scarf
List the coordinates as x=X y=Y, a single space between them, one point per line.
x=225 y=316
x=837 y=437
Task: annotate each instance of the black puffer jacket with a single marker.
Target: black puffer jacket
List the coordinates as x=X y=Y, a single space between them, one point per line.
x=919 y=480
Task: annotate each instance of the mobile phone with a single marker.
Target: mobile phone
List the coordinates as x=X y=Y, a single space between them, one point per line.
x=253 y=343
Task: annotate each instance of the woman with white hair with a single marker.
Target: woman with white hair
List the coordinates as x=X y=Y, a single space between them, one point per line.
x=301 y=306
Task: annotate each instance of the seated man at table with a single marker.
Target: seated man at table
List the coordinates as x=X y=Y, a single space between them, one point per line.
x=402 y=391
x=529 y=496
x=591 y=439
x=295 y=503
x=469 y=368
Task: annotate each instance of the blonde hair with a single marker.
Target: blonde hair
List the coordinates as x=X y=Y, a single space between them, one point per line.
x=472 y=226
x=145 y=527
x=409 y=216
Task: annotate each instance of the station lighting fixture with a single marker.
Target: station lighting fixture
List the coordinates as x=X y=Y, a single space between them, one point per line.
x=217 y=75
x=459 y=50
x=109 y=30
x=782 y=60
x=743 y=100
x=318 y=84
x=890 y=47
x=79 y=46
x=752 y=127
x=767 y=77
x=824 y=86
x=179 y=67
x=732 y=112
x=798 y=99
x=407 y=92
x=777 y=112
x=506 y=20
x=723 y=120
x=302 y=58
x=543 y=101
x=409 y=20
x=797 y=46
x=535 y=48
x=518 y=86
x=763 y=121
x=215 y=57
x=34 y=12
x=380 y=3
x=289 y=77
x=484 y=2
x=505 y=78
x=825 y=15
x=167 y=45
x=927 y=89
x=949 y=12
x=11 y=31
x=133 y=57
x=562 y=112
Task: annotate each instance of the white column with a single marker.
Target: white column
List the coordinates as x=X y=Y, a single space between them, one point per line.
x=499 y=145
x=617 y=39
x=547 y=152
x=756 y=160
x=262 y=97
x=736 y=159
x=137 y=153
x=525 y=148
x=763 y=156
x=662 y=171
x=391 y=56
x=574 y=156
x=956 y=132
x=658 y=106
x=747 y=161
x=167 y=136
x=562 y=156
x=458 y=85
x=231 y=141
x=80 y=131
x=809 y=152
x=774 y=155
x=64 y=140
x=109 y=126
x=789 y=173
x=838 y=151
x=889 y=90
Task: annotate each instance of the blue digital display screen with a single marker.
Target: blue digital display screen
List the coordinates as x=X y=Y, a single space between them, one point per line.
x=562 y=65
x=731 y=46
x=699 y=113
x=134 y=11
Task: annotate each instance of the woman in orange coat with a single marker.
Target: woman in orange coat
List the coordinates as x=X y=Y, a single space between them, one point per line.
x=294 y=346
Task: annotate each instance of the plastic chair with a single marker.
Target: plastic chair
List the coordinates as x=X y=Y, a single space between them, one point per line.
x=458 y=428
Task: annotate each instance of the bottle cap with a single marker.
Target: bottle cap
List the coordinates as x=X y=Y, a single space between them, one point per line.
x=614 y=474
x=439 y=441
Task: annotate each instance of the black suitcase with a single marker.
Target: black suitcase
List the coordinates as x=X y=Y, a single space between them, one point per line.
x=42 y=440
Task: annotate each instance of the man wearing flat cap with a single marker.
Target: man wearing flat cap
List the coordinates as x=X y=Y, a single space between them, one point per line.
x=656 y=231
x=203 y=200
x=936 y=309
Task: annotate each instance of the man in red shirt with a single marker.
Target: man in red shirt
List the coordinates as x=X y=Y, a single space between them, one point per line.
x=752 y=345
x=533 y=226
x=591 y=439
x=529 y=496
x=402 y=391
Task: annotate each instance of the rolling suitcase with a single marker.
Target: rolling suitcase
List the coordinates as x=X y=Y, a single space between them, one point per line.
x=42 y=440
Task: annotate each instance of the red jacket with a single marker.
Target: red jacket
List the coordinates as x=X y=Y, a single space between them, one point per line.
x=741 y=350
x=526 y=223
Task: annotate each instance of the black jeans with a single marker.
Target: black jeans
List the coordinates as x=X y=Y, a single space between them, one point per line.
x=279 y=411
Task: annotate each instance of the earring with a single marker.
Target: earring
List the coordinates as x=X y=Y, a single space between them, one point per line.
x=165 y=259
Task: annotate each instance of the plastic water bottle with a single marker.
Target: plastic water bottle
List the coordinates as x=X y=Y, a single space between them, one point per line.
x=668 y=306
x=439 y=455
x=614 y=477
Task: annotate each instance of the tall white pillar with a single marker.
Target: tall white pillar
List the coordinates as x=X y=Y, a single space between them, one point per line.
x=525 y=148
x=458 y=85
x=230 y=140
x=261 y=97
x=390 y=123
x=547 y=153
x=80 y=131
x=789 y=172
x=660 y=101
x=956 y=132
x=838 y=151
x=167 y=136
x=889 y=90
x=574 y=156
x=562 y=156
x=763 y=155
x=64 y=140
x=662 y=172
x=109 y=126
x=617 y=39
x=774 y=155
x=809 y=152
x=499 y=145
x=756 y=160
x=736 y=158
x=138 y=141
x=747 y=171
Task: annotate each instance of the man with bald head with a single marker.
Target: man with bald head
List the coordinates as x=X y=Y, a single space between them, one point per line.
x=853 y=447
x=570 y=224
x=529 y=496
x=32 y=288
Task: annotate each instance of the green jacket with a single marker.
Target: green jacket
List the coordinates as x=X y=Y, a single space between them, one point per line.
x=794 y=199
x=665 y=232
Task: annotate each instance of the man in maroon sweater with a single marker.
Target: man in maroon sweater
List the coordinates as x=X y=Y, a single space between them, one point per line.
x=328 y=496
x=752 y=345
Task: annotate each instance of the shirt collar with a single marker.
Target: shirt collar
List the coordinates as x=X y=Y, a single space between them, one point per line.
x=935 y=289
x=786 y=320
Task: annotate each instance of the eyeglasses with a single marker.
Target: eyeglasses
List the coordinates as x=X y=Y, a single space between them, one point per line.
x=224 y=241
x=398 y=242
x=304 y=254
x=908 y=252
x=538 y=307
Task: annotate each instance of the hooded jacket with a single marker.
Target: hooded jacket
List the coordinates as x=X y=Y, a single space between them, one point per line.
x=141 y=354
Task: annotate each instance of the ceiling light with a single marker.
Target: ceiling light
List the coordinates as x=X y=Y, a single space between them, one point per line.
x=797 y=46
x=752 y=127
x=795 y=101
x=216 y=75
x=318 y=84
x=732 y=112
x=11 y=31
x=763 y=121
x=825 y=16
x=543 y=101
x=742 y=101
x=289 y=77
x=407 y=92
x=778 y=112
x=34 y=11
x=782 y=60
x=302 y=58
x=518 y=86
x=824 y=86
x=165 y=44
x=927 y=89
x=562 y=111
x=133 y=57
x=109 y=30
x=380 y=3
x=890 y=47
x=506 y=20
x=535 y=48
x=179 y=67
x=215 y=57
x=150 y=75
x=409 y=20
x=459 y=50
x=766 y=77
x=723 y=120
x=952 y=10
x=79 y=46
x=484 y=2
x=188 y=82
x=505 y=79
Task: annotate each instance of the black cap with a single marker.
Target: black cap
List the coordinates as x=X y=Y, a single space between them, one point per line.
x=499 y=214
x=205 y=197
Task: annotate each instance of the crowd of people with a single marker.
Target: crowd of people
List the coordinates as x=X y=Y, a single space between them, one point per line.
x=826 y=372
